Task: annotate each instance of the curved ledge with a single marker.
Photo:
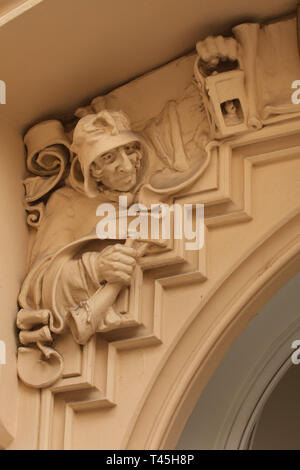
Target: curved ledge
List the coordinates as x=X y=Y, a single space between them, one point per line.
x=14 y=8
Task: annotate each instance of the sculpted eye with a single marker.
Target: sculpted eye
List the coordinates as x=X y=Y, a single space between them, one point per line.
x=132 y=148
x=128 y=149
x=107 y=157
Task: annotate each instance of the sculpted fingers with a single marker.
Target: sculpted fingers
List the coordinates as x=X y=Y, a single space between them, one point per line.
x=221 y=47
x=117 y=263
x=122 y=277
x=125 y=250
x=27 y=319
x=116 y=252
x=232 y=48
x=42 y=334
x=117 y=266
x=125 y=259
x=107 y=251
x=207 y=50
x=202 y=51
x=214 y=49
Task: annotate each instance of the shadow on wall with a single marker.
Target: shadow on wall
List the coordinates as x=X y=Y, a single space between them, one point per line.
x=278 y=425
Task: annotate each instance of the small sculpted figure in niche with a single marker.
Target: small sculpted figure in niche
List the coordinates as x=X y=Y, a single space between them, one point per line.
x=221 y=78
x=231 y=112
x=69 y=263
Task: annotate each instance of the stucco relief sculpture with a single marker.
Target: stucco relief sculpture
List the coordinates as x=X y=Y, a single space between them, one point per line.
x=246 y=79
x=61 y=289
x=222 y=83
x=74 y=278
x=76 y=281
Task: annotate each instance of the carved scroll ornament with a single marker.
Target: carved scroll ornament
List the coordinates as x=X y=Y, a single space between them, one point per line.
x=48 y=157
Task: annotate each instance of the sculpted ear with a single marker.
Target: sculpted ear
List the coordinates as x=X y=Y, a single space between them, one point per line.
x=95 y=171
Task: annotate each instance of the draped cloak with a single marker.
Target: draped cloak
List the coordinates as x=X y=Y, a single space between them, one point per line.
x=63 y=269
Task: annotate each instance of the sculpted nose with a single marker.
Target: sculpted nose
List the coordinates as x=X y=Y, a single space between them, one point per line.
x=125 y=163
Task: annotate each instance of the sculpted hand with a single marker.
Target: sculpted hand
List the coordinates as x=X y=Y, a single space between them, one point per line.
x=214 y=50
x=116 y=263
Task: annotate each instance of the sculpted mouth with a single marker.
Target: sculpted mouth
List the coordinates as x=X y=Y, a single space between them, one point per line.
x=127 y=179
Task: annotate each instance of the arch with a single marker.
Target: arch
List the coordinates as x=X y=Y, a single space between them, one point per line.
x=239 y=429
x=249 y=431
x=229 y=407
x=226 y=312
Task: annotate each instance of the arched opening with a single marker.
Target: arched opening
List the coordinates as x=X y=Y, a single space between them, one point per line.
x=233 y=411
x=277 y=427
x=197 y=353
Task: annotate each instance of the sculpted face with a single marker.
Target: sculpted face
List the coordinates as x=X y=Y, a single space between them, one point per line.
x=117 y=169
x=230 y=107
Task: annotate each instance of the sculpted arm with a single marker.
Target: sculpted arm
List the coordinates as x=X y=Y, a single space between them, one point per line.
x=80 y=278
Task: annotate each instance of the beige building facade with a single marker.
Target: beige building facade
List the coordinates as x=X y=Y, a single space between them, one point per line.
x=144 y=342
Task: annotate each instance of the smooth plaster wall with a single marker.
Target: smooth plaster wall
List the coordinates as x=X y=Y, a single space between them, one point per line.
x=67 y=52
x=13 y=248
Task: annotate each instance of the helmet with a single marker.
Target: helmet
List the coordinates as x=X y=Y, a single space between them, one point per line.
x=96 y=134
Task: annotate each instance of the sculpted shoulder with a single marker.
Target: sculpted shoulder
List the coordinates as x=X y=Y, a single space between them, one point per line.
x=63 y=199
